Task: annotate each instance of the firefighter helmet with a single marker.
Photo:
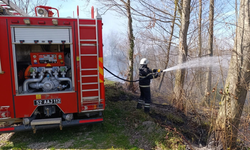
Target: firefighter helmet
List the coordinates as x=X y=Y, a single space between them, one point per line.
x=144 y=61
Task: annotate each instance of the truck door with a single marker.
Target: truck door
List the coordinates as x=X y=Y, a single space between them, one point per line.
x=6 y=93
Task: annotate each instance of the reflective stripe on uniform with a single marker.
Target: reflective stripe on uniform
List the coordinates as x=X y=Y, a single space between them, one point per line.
x=146 y=75
x=147 y=105
x=153 y=76
x=140 y=101
x=144 y=85
x=142 y=76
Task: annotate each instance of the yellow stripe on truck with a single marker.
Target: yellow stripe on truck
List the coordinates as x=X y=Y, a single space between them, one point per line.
x=101 y=59
x=101 y=69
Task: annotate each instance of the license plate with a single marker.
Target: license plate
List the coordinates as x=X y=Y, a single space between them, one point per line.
x=47 y=102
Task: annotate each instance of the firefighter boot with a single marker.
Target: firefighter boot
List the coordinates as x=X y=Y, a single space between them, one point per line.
x=147 y=108
x=139 y=104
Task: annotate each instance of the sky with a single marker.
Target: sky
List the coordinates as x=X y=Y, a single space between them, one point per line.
x=112 y=23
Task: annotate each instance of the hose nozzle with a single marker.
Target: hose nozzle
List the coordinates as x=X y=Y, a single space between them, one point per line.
x=159 y=70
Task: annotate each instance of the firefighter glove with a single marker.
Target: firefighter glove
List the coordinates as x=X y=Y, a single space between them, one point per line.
x=157 y=74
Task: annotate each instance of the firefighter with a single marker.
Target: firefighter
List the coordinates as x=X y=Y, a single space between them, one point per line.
x=145 y=75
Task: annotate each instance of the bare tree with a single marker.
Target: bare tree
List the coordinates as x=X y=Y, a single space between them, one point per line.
x=237 y=82
x=210 y=52
x=131 y=45
x=199 y=42
x=199 y=26
x=124 y=8
x=183 y=50
x=169 y=44
x=29 y=5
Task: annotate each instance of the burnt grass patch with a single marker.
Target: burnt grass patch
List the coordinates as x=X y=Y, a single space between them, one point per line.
x=193 y=127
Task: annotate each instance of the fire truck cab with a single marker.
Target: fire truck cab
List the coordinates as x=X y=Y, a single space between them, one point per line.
x=51 y=71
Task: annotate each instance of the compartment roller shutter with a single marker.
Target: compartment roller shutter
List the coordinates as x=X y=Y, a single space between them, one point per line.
x=43 y=35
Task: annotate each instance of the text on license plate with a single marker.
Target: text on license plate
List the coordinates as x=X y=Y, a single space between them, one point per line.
x=47 y=101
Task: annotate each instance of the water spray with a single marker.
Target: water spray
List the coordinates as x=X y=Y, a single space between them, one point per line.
x=215 y=61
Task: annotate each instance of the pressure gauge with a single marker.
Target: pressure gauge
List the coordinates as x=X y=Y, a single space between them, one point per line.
x=34 y=56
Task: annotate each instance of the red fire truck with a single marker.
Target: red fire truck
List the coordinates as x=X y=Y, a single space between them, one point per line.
x=51 y=71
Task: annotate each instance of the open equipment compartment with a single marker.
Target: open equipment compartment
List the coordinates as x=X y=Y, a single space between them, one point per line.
x=43 y=59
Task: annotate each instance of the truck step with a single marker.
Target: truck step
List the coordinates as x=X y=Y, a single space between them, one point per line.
x=46 y=121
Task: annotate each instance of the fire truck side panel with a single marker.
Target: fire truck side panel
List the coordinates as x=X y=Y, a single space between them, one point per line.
x=11 y=53
x=102 y=89
x=90 y=86
x=89 y=72
x=25 y=104
x=76 y=55
x=88 y=50
x=6 y=91
x=87 y=33
x=78 y=67
x=87 y=21
x=89 y=63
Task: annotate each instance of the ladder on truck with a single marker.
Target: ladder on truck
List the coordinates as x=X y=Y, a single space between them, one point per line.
x=9 y=8
x=92 y=43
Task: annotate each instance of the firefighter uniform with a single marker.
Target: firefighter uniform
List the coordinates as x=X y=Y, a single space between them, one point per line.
x=145 y=75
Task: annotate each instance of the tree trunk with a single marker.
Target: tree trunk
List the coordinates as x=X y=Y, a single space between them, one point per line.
x=131 y=47
x=237 y=82
x=200 y=46
x=200 y=18
x=169 y=44
x=183 y=50
x=209 y=53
